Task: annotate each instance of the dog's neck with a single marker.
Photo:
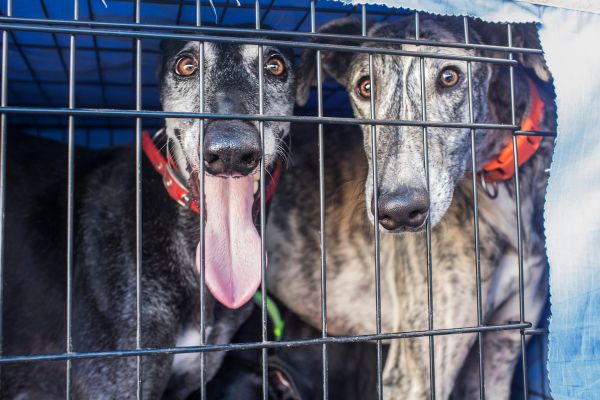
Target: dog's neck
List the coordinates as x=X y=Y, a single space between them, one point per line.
x=502 y=168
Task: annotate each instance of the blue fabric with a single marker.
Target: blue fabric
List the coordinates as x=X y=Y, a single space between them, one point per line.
x=572 y=209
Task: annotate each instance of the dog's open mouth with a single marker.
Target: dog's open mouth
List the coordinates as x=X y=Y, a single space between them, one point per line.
x=232 y=243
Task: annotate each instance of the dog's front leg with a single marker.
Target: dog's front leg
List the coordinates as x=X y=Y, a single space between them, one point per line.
x=116 y=378
x=501 y=350
x=407 y=371
x=408 y=375
x=405 y=374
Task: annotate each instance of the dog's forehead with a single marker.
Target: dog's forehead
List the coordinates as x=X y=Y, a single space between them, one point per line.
x=434 y=30
x=408 y=66
x=442 y=30
x=215 y=51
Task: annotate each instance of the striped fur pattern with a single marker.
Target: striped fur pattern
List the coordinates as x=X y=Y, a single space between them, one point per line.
x=293 y=229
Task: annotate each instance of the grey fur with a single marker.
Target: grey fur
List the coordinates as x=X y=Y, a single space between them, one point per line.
x=293 y=240
x=231 y=87
x=104 y=281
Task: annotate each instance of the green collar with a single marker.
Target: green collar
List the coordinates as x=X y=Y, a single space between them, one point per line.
x=274 y=314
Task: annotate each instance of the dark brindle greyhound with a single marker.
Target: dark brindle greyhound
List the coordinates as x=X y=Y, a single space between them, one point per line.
x=406 y=202
x=104 y=280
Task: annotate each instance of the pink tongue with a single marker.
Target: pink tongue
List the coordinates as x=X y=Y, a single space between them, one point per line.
x=232 y=246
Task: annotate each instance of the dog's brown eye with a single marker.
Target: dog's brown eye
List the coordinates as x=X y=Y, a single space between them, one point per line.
x=275 y=66
x=364 y=87
x=449 y=77
x=186 y=66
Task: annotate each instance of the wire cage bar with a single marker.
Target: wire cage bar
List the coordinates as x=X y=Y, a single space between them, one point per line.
x=428 y=222
x=202 y=212
x=322 y=237
x=90 y=36
x=3 y=140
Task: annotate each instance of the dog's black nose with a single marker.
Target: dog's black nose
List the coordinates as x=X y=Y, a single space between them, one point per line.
x=406 y=209
x=231 y=148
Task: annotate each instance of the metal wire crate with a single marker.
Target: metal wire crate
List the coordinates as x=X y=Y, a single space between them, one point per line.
x=85 y=76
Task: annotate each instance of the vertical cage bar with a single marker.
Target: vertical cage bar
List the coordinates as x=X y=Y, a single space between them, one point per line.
x=299 y=24
x=519 y=221
x=138 y=202
x=428 y=227
x=475 y=219
x=325 y=366
x=55 y=40
x=109 y=121
x=70 y=203
x=376 y=212
x=34 y=76
x=99 y=63
x=3 y=128
x=267 y=11
x=263 y=211
x=179 y=12
x=202 y=208
x=224 y=12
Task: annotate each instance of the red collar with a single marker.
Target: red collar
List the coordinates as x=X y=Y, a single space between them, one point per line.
x=503 y=167
x=173 y=182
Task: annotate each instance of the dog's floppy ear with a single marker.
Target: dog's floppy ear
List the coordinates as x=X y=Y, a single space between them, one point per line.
x=523 y=35
x=526 y=35
x=335 y=63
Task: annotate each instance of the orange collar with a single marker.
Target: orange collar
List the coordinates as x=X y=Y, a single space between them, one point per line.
x=503 y=167
x=173 y=182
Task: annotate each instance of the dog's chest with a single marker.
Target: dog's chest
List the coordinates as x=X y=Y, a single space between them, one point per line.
x=186 y=362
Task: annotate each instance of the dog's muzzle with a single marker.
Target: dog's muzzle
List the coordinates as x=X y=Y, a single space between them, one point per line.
x=231 y=148
x=403 y=210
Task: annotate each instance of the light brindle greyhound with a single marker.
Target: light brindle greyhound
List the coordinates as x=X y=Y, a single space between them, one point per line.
x=405 y=204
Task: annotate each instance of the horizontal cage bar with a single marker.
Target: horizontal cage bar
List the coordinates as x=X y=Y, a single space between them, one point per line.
x=247 y=117
x=266 y=42
x=267 y=33
x=267 y=344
